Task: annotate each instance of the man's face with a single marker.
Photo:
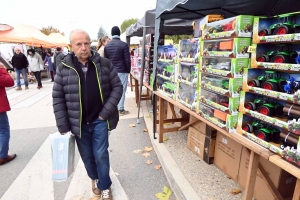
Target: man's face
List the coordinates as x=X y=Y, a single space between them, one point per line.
x=30 y=53
x=81 y=45
x=17 y=51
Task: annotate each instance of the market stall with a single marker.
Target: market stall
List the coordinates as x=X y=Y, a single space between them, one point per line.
x=145 y=26
x=63 y=40
x=240 y=76
x=28 y=35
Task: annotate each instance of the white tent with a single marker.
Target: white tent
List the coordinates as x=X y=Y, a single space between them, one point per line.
x=133 y=40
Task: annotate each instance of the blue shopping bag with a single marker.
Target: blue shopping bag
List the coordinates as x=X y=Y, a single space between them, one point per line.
x=63 y=152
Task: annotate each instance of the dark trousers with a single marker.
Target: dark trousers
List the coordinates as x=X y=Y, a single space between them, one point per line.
x=4 y=135
x=38 y=78
x=52 y=75
x=93 y=149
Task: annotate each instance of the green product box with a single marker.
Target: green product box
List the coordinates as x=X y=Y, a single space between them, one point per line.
x=239 y=26
x=167 y=88
x=280 y=28
x=228 y=48
x=187 y=95
x=228 y=67
x=254 y=138
x=230 y=87
x=188 y=73
x=219 y=118
x=220 y=102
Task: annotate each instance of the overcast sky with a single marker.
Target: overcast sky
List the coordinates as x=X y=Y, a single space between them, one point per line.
x=67 y=15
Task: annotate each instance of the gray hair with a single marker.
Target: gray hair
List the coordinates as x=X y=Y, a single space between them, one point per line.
x=78 y=31
x=17 y=48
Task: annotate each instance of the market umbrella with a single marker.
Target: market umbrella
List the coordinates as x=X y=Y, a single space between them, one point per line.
x=60 y=38
x=5 y=27
x=28 y=35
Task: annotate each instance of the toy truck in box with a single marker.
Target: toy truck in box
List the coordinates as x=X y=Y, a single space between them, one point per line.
x=231 y=48
x=239 y=26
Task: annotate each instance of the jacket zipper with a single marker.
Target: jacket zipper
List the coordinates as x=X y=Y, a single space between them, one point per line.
x=79 y=96
x=99 y=84
x=86 y=101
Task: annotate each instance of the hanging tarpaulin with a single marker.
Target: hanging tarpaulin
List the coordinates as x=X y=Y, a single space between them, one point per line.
x=192 y=9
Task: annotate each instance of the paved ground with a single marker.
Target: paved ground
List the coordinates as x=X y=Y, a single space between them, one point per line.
x=29 y=175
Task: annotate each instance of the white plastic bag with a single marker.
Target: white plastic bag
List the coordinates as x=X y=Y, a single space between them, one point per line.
x=63 y=152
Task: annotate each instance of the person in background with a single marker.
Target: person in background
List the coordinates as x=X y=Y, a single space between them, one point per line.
x=50 y=65
x=35 y=64
x=85 y=94
x=101 y=44
x=117 y=52
x=58 y=57
x=43 y=53
x=5 y=81
x=20 y=63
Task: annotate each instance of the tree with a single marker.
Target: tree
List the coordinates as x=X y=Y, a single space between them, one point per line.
x=50 y=29
x=176 y=38
x=101 y=32
x=127 y=22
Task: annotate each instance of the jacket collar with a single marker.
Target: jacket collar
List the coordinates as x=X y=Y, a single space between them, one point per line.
x=115 y=37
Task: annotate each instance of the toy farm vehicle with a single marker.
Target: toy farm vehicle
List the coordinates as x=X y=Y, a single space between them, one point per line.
x=267 y=133
x=265 y=107
x=168 y=87
x=223 y=83
x=278 y=57
x=268 y=81
x=281 y=28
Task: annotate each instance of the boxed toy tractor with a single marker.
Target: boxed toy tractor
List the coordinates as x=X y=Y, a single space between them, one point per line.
x=228 y=67
x=189 y=50
x=167 y=70
x=219 y=118
x=259 y=132
x=188 y=73
x=167 y=88
x=281 y=28
x=239 y=26
x=167 y=53
x=220 y=102
x=230 y=48
x=199 y=25
x=187 y=95
x=274 y=84
x=230 y=87
x=276 y=56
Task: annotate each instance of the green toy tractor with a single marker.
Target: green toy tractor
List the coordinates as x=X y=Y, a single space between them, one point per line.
x=284 y=27
x=269 y=81
x=265 y=107
x=278 y=57
x=262 y=131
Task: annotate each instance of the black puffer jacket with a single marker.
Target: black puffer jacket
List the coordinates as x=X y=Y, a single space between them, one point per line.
x=117 y=52
x=19 y=61
x=66 y=94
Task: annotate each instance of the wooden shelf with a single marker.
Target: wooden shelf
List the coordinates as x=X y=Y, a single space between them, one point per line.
x=235 y=136
x=283 y=164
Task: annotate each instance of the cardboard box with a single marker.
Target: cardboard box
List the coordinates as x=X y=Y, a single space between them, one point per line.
x=203 y=128
x=227 y=155
x=282 y=180
x=201 y=145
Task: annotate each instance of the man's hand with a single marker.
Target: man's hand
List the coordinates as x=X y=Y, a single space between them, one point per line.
x=101 y=118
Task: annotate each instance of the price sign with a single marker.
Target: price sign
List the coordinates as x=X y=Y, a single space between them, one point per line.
x=251 y=49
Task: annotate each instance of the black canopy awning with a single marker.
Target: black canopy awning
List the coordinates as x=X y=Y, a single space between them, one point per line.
x=193 y=9
x=170 y=27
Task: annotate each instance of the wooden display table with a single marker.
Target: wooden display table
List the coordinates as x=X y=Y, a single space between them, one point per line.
x=137 y=90
x=256 y=150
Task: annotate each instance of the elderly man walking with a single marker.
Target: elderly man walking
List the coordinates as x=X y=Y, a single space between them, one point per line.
x=86 y=92
x=20 y=63
x=117 y=52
